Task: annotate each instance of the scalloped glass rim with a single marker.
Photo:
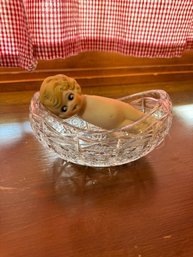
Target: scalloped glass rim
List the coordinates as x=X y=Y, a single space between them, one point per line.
x=80 y=142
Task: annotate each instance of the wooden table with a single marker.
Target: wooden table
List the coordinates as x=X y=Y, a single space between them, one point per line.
x=52 y=209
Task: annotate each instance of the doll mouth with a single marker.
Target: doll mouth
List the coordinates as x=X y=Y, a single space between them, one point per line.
x=75 y=107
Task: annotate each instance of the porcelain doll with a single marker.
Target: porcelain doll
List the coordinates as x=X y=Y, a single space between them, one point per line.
x=62 y=96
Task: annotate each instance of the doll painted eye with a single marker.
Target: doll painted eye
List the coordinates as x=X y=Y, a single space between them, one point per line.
x=64 y=108
x=70 y=97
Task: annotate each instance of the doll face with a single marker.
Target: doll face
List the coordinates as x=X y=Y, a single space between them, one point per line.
x=71 y=104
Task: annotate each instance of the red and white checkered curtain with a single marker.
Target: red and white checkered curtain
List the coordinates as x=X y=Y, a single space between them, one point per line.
x=49 y=29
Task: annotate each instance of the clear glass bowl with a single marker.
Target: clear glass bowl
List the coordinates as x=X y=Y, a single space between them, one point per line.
x=77 y=141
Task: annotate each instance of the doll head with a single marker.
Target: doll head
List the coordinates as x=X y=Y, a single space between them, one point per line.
x=61 y=95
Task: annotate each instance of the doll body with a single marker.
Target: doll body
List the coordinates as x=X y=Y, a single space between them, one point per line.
x=108 y=113
x=62 y=96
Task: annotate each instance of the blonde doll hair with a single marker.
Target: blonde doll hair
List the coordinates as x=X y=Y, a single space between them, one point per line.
x=52 y=88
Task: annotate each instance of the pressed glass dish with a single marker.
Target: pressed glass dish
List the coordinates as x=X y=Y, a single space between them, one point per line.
x=80 y=142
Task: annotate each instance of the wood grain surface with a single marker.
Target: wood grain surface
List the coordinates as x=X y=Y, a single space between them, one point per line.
x=101 y=69
x=49 y=208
